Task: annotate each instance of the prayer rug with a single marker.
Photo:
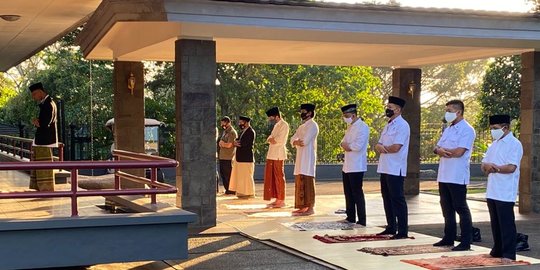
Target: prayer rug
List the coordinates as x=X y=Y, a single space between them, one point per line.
x=460 y=262
x=405 y=250
x=344 y=238
x=244 y=206
x=319 y=226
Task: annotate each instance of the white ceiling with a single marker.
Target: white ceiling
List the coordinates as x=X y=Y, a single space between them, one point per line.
x=42 y=23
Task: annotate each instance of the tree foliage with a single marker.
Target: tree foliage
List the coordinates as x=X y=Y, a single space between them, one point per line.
x=252 y=89
x=501 y=89
x=442 y=83
x=85 y=88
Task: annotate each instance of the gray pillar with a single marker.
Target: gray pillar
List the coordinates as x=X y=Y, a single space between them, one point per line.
x=128 y=111
x=402 y=80
x=529 y=133
x=196 y=128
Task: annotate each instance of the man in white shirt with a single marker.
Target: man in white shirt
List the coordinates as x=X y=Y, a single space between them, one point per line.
x=305 y=141
x=393 y=147
x=454 y=149
x=354 y=143
x=501 y=165
x=274 y=176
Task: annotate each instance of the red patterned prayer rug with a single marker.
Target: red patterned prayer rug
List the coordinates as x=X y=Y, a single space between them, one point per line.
x=405 y=250
x=460 y=262
x=344 y=238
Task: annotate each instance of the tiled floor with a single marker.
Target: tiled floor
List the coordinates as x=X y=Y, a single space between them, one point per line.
x=249 y=217
x=266 y=224
x=40 y=208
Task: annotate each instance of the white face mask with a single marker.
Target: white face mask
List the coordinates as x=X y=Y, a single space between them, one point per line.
x=450 y=117
x=347 y=120
x=497 y=133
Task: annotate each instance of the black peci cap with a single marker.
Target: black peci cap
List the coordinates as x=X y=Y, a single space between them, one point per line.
x=273 y=112
x=499 y=119
x=395 y=100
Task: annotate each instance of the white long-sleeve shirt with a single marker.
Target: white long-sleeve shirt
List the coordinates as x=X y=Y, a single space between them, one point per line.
x=278 y=150
x=357 y=137
x=306 y=156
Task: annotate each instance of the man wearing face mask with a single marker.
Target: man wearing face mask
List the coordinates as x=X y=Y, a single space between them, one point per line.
x=305 y=141
x=501 y=165
x=242 y=181
x=274 y=176
x=454 y=149
x=354 y=143
x=393 y=147
x=226 y=152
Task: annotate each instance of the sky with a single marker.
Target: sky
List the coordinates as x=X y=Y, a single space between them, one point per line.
x=494 y=5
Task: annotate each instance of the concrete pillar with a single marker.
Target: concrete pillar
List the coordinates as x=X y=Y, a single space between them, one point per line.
x=529 y=134
x=128 y=111
x=406 y=85
x=196 y=128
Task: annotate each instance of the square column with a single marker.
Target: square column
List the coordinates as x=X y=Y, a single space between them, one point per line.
x=128 y=111
x=196 y=128
x=529 y=133
x=406 y=85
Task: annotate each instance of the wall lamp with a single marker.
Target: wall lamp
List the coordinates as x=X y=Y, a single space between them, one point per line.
x=131 y=83
x=412 y=88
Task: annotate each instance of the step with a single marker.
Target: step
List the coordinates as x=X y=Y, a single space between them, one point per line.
x=79 y=241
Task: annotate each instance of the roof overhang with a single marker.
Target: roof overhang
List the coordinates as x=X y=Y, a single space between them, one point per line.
x=42 y=23
x=318 y=35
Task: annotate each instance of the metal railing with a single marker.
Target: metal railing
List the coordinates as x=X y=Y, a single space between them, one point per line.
x=22 y=147
x=138 y=161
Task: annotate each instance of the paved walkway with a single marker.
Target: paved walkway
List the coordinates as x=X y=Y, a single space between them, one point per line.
x=285 y=248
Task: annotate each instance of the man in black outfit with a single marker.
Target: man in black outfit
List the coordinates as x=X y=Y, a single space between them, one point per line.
x=46 y=137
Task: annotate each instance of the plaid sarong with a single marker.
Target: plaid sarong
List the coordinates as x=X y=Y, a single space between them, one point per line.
x=42 y=180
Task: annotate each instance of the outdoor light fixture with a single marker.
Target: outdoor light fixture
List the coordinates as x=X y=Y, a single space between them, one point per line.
x=131 y=83
x=412 y=88
x=10 y=17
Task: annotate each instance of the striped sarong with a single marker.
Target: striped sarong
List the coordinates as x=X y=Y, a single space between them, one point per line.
x=42 y=180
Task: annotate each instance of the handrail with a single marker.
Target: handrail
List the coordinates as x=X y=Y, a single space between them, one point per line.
x=122 y=154
x=22 y=147
x=74 y=166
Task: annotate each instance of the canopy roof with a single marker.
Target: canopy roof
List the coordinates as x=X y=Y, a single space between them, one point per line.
x=297 y=32
x=41 y=23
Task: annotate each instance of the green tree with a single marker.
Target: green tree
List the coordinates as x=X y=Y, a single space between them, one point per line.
x=85 y=87
x=501 y=89
x=252 y=89
x=442 y=83
x=160 y=103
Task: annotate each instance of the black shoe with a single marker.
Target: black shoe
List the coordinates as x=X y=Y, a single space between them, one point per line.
x=399 y=236
x=443 y=243
x=386 y=232
x=461 y=247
